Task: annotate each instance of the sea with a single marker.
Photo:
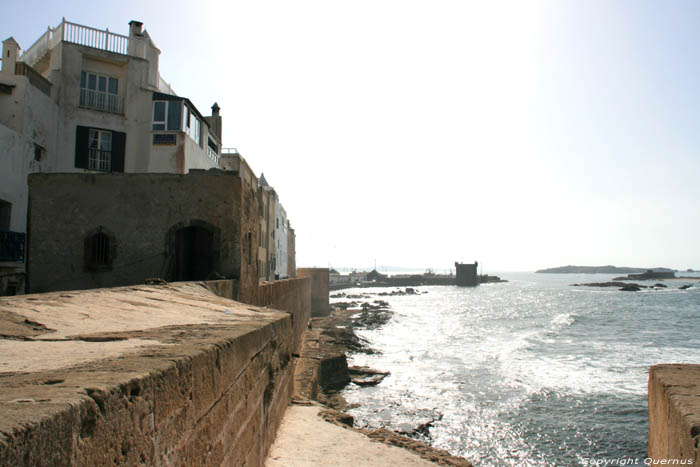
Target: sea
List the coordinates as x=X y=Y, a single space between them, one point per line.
x=529 y=372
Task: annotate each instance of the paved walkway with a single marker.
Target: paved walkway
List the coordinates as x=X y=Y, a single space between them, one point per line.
x=305 y=439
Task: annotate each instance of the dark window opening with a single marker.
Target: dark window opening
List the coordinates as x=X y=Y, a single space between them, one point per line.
x=167 y=139
x=38 y=152
x=5 y=215
x=250 y=246
x=214 y=147
x=98 y=252
x=193 y=253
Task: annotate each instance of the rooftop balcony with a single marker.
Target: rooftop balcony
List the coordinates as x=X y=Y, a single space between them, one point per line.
x=75 y=34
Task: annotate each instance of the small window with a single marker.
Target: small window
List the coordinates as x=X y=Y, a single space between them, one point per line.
x=100 y=150
x=159 y=115
x=250 y=246
x=99 y=252
x=167 y=115
x=5 y=215
x=38 y=152
x=164 y=139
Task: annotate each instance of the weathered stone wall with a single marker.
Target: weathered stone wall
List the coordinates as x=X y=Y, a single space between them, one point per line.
x=674 y=412
x=320 y=305
x=292 y=295
x=140 y=212
x=213 y=393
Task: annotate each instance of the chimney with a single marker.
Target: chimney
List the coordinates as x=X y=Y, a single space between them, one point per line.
x=135 y=28
x=10 y=51
x=216 y=120
x=137 y=43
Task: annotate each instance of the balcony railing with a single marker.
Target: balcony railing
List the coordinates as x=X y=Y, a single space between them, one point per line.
x=99 y=160
x=229 y=151
x=35 y=78
x=12 y=246
x=76 y=34
x=213 y=155
x=99 y=100
x=95 y=38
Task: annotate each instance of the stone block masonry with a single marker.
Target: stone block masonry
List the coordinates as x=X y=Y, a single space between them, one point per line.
x=154 y=375
x=319 y=290
x=674 y=414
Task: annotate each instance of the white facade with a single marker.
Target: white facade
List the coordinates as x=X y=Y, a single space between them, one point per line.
x=281 y=265
x=116 y=113
x=85 y=100
x=27 y=131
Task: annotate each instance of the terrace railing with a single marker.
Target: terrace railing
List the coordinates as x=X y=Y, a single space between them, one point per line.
x=75 y=34
x=95 y=38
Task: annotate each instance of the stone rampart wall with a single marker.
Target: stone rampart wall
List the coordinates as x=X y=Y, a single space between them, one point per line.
x=214 y=394
x=674 y=413
x=291 y=295
x=319 y=290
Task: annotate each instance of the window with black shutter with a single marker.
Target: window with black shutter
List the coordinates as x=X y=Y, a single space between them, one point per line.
x=99 y=149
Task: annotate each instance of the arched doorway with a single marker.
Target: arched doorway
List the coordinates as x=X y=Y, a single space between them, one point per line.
x=193 y=253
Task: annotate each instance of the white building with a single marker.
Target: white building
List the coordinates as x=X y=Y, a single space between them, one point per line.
x=28 y=118
x=281 y=266
x=116 y=113
x=82 y=99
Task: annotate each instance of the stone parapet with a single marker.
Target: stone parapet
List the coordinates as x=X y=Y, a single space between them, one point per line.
x=674 y=413
x=150 y=375
x=320 y=305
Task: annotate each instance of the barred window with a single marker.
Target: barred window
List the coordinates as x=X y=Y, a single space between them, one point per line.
x=99 y=252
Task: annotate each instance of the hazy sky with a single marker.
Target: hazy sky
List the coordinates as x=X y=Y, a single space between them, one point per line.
x=417 y=133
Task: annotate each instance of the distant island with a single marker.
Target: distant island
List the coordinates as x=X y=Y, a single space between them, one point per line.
x=609 y=269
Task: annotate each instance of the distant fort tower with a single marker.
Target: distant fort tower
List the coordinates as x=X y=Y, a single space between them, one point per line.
x=467 y=274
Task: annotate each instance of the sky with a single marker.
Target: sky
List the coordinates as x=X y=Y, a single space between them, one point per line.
x=522 y=134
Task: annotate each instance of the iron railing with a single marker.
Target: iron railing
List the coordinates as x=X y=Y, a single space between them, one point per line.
x=99 y=160
x=12 y=246
x=100 y=100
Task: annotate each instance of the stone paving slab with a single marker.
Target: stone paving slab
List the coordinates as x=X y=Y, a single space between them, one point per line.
x=304 y=439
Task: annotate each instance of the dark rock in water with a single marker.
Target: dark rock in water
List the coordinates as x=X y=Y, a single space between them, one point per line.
x=623 y=285
x=660 y=285
x=333 y=372
x=345 y=305
x=601 y=284
x=363 y=376
x=631 y=288
x=687 y=286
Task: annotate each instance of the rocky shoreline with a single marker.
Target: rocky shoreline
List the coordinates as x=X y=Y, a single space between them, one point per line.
x=630 y=286
x=322 y=372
